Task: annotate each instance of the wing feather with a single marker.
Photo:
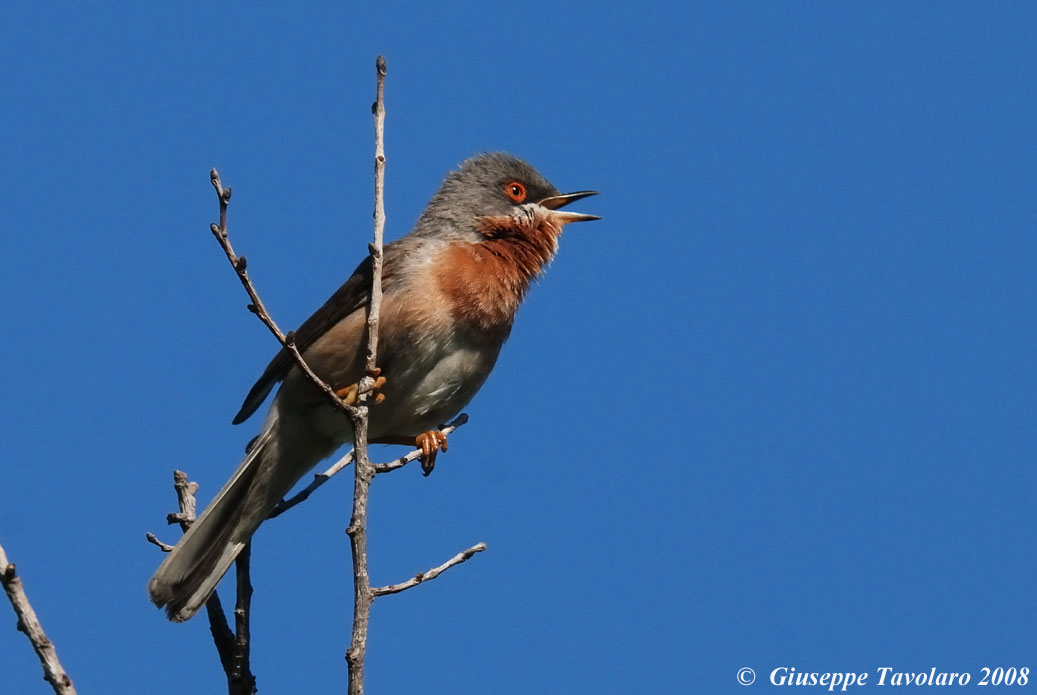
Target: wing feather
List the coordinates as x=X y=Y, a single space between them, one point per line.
x=351 y=296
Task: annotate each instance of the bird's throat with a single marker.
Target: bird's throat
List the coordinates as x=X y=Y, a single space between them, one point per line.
x=489 y=279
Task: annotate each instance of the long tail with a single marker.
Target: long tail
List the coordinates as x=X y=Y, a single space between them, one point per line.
x=191 y=571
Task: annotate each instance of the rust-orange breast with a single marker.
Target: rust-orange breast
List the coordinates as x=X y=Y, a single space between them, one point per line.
x=485 y=281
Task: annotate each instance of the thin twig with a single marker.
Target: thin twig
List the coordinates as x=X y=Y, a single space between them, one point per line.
x=153 y=539
x=363 y=470
x=240 y=680
x=185 y=498
x=257 y=307
x=222 y=635
x=53 y=672
x=318 y=480
x=430 y=574
x=416 y=453
x=321 y=478
x=363 y=474
x=374 y=306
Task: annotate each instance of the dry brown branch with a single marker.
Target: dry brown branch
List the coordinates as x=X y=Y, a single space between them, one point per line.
x=257 y=307
x=374 y=306
x=153 y=539
x=28 y=623
x=430 y=574
x=321 y=478
x=363 y=474
x=415 y=454
x=318 y=480
x=240 y=679
x=233 y=649
x=363 y=469
x=222 y=636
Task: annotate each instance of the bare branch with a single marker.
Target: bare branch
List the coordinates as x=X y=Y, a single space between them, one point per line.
x=234 y=648
x=375 y=304
x=222 y=636
x=185 y=498
x=363 y=470
x=257 y=307
x=240 y=678
x=422 y=577
x=230 y=648
x=321 y=478
x=416 y=453
x=153 y=539
x=318 y=480
x=28 y=623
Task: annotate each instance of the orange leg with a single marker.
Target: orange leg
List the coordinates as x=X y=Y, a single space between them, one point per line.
x=350 y=393
x=430 y=443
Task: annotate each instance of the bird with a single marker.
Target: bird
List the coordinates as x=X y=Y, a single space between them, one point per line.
x=451 y=290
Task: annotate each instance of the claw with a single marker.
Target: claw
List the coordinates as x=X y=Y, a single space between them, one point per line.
x=351 y=393
x=430 y=443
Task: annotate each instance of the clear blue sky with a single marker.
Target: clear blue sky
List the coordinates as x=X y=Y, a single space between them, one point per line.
x=776 y=409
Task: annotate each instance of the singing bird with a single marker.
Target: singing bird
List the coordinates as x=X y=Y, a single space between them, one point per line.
x=450 y=292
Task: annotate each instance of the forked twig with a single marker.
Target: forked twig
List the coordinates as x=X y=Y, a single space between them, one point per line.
x=233 y=649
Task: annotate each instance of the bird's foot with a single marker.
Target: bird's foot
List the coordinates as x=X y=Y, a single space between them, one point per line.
x=430 y=443
x=351 y=393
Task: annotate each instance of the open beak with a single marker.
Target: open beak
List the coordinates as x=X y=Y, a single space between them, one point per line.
x=559 y=201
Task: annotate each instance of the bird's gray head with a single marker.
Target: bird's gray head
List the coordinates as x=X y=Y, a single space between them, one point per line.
x=492 y=184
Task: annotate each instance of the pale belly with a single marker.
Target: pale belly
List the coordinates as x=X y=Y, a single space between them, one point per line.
x=424 y=394
x=425 y=388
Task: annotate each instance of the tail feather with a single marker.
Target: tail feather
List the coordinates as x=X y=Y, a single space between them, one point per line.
x=191 y=571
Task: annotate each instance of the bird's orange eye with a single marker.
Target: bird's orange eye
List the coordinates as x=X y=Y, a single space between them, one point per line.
x=515 y=190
